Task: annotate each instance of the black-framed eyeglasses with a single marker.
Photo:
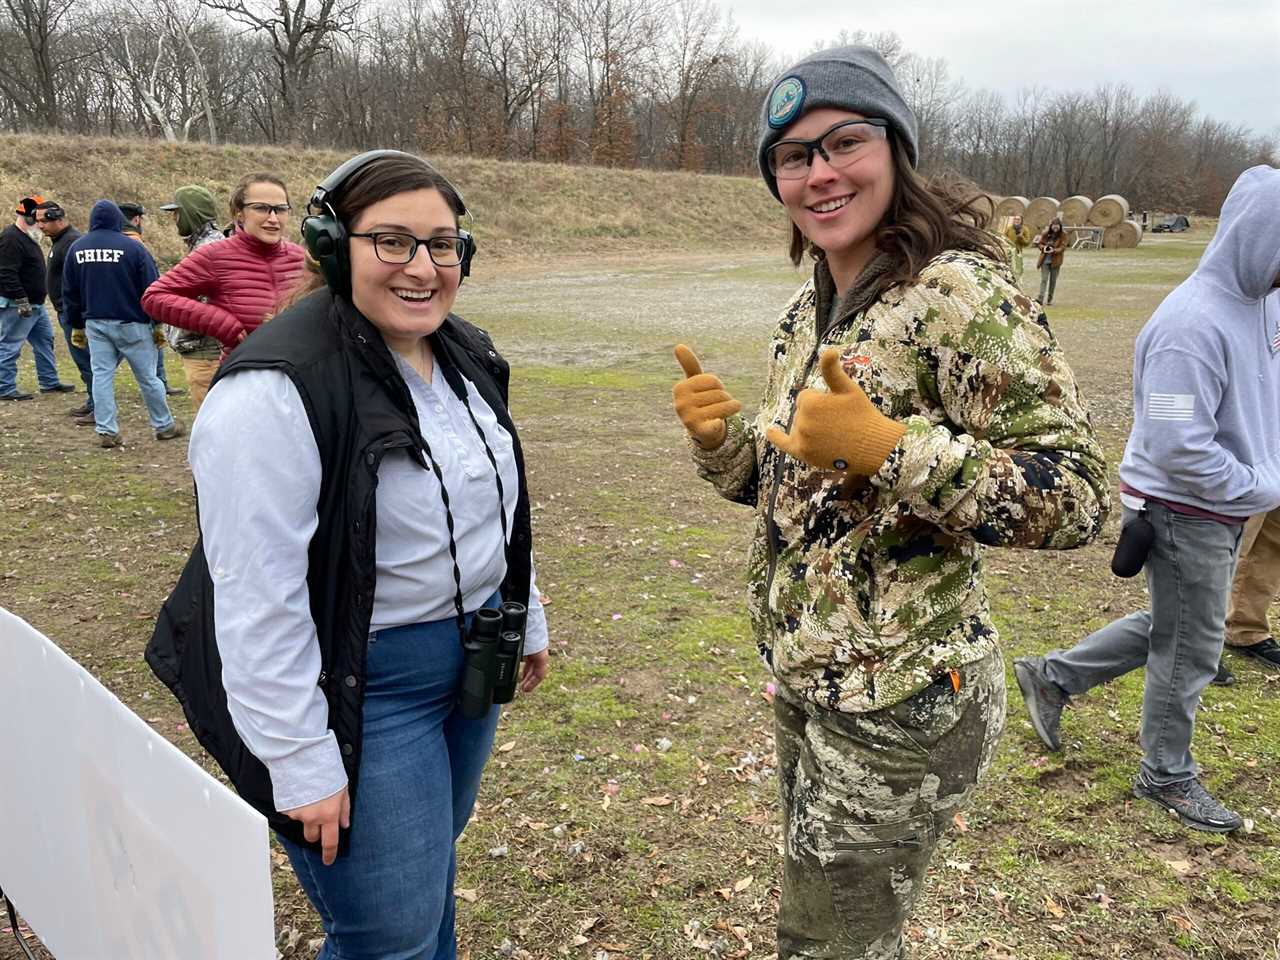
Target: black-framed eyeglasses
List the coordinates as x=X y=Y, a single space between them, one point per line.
x=266 y=209
x=445 y=250
x=839 y=146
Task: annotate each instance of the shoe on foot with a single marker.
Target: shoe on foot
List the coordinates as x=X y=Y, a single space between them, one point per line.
x=171 y=432
x=17 y=396
x=174 y=391
x=60 y=388
x=80 y=411
x=1192 y=803
x=1225 y=677
x=86 y=419
x=1044 y=699
x=110 y=440
x=1265 y=652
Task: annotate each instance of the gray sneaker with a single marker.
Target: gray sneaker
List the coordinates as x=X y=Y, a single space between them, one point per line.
x=1044 y=699
x=1192 y=803
x=171 y=432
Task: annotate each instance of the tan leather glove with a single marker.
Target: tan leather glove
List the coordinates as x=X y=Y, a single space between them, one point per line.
x=157 y=335
x=839 y=430
x=701 y=401
x=79 y=339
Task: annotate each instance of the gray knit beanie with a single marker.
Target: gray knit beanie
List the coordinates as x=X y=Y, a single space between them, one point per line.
x=847 y=78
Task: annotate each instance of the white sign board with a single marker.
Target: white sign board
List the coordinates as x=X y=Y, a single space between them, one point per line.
x=114 y=845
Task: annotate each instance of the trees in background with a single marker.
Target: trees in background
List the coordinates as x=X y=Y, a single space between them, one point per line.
x=655 y=83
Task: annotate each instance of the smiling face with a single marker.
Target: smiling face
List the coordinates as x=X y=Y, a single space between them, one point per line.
x=267 y=227
x=405 y=301
x=839 y=209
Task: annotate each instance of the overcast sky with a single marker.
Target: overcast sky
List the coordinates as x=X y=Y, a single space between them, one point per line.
x=1224 y=54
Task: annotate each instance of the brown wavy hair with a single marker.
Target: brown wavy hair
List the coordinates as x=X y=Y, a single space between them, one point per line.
x=926 y=216
x=237 y=195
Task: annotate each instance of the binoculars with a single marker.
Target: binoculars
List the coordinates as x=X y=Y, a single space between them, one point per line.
x=492 y=651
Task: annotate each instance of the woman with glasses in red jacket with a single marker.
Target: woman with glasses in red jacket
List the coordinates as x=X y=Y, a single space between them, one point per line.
x=227 y=290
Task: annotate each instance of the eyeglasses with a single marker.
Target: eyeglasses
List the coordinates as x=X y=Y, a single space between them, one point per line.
x=266 y=209
x=445 y=250
x=839 y=146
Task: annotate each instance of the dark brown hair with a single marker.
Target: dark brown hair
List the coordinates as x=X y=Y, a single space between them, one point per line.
x=374 y=182
x=925 y=217
x=237 y=195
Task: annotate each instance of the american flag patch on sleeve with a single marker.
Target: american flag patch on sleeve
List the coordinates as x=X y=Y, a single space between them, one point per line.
x=1170 y=406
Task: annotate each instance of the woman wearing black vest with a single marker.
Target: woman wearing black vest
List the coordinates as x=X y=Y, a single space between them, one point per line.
x=361 y=495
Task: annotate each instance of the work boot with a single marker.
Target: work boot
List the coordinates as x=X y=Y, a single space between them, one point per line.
x=1265 y=652
x=80 y=411
x=110 y=440
x=60 y=388
x=1224 y=677
x=86 y=419
x=1192 y=803
x=17 y=396
x=171 y=432
x=1044 y=699
x=173 y=391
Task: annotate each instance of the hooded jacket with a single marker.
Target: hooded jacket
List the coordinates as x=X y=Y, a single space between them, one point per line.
x=106 y=272
x=228 y=289
x=1206 y=369
x=864 y=591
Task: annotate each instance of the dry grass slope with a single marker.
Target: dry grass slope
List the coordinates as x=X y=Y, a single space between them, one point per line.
x=522 y=210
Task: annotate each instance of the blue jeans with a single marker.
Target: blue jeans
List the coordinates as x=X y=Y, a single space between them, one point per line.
x=14 y=332
x=80 y=356
x=391 y=896
x=109 y=341
x=1179 y=640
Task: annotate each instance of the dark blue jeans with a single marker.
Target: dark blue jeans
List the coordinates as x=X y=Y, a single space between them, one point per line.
x=1178 y=640
x=80 y=355
x=391 y=897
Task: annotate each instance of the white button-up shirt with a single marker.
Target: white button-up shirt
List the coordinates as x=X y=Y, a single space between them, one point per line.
x=257 y=469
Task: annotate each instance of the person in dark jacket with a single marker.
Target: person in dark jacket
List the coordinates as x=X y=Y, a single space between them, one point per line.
x=133 y=214
x=361 y=496
x=53 y=223
x=23 y=288
x=103 y=280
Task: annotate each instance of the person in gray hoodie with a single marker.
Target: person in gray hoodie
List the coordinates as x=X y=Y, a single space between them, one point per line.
x=1202 y=457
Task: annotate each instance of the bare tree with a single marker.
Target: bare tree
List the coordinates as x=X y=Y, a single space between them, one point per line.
x=29 y=78
x=298 y=34
x=701 y=37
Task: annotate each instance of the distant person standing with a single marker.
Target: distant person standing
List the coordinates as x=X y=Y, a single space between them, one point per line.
x=53 y=224
x=194 y=215
x=230 y=290
x=1202 y=457
x=1020 y=237
x=133 y=214
x=103 y=281
x=23 y=288
x=1053 y=248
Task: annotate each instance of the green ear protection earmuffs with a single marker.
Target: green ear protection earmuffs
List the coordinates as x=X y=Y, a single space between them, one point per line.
x=326 y=237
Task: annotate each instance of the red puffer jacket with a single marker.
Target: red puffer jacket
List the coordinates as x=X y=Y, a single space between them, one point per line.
x=240 y=281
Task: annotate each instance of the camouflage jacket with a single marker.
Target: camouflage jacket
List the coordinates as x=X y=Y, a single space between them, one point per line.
x=862 y=592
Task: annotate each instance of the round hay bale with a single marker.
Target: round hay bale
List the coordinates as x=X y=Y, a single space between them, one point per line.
x=1075 y=211
x=1012 y=207
x=1123 y=236
x=1039 y=212
x=1109 y=211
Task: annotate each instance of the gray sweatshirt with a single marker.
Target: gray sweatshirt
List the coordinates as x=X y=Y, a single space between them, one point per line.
x=1206 y=372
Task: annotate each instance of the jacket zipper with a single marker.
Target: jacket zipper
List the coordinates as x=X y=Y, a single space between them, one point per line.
x=912 y=841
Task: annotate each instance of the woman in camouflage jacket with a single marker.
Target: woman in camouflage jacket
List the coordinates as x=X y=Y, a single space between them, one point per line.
x=917 y=408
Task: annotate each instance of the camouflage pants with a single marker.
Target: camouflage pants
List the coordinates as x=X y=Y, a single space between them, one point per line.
x=865 y=798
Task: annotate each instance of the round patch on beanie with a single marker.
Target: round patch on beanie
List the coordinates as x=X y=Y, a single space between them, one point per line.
x=785 y=101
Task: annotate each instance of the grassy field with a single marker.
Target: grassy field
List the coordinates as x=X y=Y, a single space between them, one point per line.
x=630 y=809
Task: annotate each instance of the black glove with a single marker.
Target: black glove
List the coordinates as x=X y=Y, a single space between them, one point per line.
x=24 y=306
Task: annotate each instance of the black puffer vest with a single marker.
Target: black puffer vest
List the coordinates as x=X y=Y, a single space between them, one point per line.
x=359 y=408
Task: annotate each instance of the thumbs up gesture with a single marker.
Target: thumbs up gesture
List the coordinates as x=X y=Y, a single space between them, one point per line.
x=840 y=429
x=701 y=401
